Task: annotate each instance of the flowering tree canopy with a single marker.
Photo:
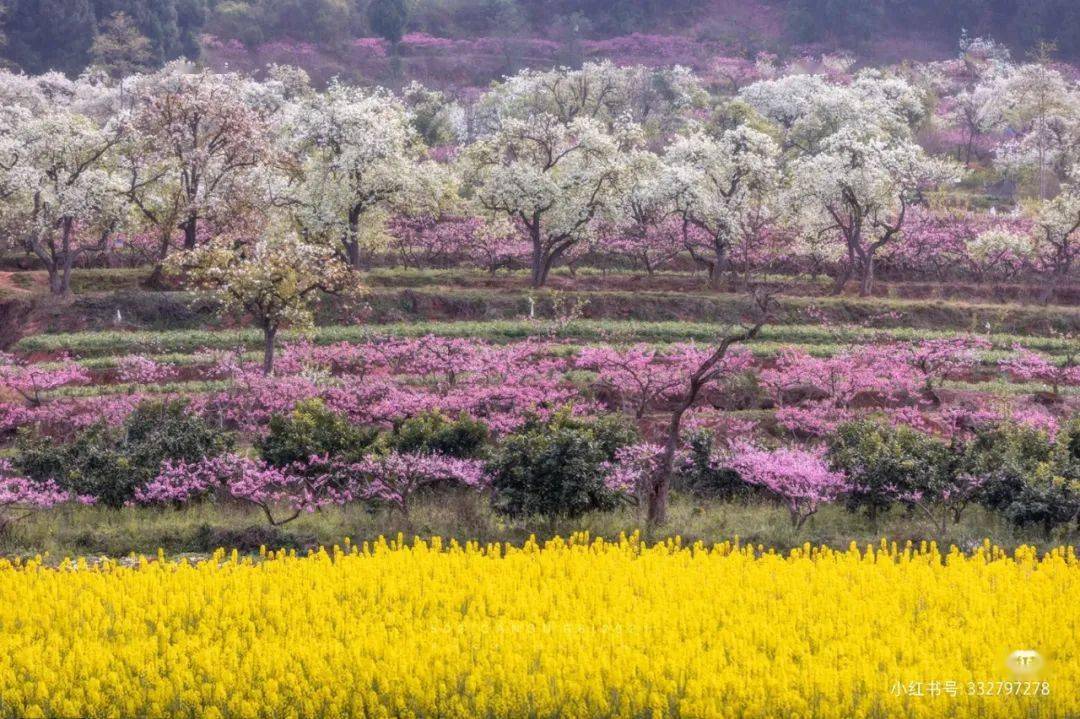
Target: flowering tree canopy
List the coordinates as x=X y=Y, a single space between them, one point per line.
x=59 y=185
x=800 y=479
x=198 y=145
x=723 y=189
x=858 y=190
x=275 y=279
x=553 y=177
x=354 y=158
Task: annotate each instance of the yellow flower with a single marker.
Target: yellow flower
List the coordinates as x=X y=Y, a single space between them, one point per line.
x=580 y=627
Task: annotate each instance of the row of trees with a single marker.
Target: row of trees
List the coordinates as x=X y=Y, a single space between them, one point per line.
x=559 y=467
x=261 y=184
x=560 y=158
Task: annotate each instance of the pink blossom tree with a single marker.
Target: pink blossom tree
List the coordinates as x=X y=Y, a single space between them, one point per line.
x=1027 y=366
x=712 y=367
x=800 y=479
x=29 y=380
x=136 y=369
x=21 y=497
x=640 y=376
x=395 y=478
x=632 y=469
x=282 y=494
x=938 y=359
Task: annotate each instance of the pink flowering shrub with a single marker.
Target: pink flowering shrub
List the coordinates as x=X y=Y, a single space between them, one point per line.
x=633 y=465
x=1027 y=366
x=294 y=490
x=815 y=394
x=21 y=497
x=136 y=369
x=651 y=247
x=940 y=359
x=431 y=242
x=29 y=381
x=307 y=486
x=800 y=479
x=641 y=376
x=395 y=478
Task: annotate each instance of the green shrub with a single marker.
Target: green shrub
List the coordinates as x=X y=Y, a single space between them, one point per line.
x=701 y=476
x=433 y=432
x=313 y=430
x=885 y=463
x=110 y=463
x=1004 y=457
x=554 y=469
x=1029 y=477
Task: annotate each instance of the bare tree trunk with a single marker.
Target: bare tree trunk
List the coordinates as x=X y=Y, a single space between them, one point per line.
x=352 y=253
x=269 y=335
x=658 y=488
x=657 y=492
x=843 y=274
x=867 y=285
x=541 y=268
x=716 y=276
x=56 y=281
x=191 y=229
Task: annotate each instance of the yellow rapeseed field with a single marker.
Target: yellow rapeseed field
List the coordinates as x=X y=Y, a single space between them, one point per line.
x=576 y=629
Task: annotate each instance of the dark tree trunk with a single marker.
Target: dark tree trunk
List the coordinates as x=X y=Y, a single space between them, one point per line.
x=269 y=335
x=352 y=254
x=56 y=281
x=658 y=486
x=156 y=280
x=866 y=287
x=191 y=228
x=657 y=495
x=843 y=274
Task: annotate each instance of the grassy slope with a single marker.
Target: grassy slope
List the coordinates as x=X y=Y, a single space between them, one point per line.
x=119 y=342
x=94 y=531
x=424 y=302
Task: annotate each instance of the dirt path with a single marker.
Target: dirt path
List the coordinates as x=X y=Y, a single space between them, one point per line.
x=22 y=283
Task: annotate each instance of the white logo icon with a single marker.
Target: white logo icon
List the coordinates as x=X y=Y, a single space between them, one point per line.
x=1025 y=662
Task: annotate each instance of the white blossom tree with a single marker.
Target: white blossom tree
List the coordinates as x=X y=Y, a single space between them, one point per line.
x=1043 y=108
x=554 y=177
x=354 y=158
x=811 y=108
x=275 y=279
x=59 y=186
x=979 y=110
x=656 y=98
x=723 y=188
x=1057 y=232
x=195 y=154
x=858 y=189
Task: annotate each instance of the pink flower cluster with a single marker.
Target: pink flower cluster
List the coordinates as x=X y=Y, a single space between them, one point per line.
x=20 y=497
x=1027 y=366
x=394 y=478
x=448 y=241
x=30 y=381
x=798 y=478
x=633 y=466
x=307 y=486
x=299 y=488
x=641 y=376
x=136 y=369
